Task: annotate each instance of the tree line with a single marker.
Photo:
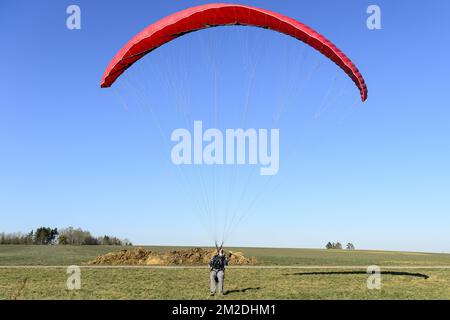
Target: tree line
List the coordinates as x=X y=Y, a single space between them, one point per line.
x=64 y=236
x=338 y=246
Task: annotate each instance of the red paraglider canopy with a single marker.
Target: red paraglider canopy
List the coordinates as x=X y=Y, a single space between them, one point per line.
x=220 y=14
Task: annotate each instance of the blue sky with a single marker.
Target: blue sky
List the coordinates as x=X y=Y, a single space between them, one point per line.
x=376 y=174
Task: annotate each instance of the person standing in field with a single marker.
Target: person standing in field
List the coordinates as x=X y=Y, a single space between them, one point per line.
x=217 y=266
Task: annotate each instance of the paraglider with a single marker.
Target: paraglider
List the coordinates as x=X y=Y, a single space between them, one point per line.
x=189 y=148
x=220 y=14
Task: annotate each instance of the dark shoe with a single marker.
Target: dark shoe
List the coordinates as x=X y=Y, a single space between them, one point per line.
x=211 y=294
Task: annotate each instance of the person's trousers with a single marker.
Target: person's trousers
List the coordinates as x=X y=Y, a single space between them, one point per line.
x=217 y=276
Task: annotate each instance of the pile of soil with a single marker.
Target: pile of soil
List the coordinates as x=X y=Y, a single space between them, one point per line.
x=189 y=257
x=123 y=257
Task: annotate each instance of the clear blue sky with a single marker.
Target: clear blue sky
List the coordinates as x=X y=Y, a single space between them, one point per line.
x=376 y=174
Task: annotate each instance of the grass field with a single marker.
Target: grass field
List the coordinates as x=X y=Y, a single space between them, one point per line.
x=331 y=274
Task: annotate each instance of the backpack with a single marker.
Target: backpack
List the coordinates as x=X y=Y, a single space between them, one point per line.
x=217 y=262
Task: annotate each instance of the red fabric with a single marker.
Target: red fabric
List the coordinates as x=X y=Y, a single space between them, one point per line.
x=219 y=14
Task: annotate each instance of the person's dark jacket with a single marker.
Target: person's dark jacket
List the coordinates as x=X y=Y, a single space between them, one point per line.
x=223 y=262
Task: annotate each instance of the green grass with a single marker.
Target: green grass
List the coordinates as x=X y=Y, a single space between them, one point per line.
x=289 y=283
x=77 y=255
x=241 y=284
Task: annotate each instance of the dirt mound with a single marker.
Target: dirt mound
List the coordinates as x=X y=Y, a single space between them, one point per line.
x=123 y=257
x=190 y=257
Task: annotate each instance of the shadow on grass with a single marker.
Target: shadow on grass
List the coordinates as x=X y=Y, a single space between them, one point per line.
x=331 y=273
x=242 y=290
